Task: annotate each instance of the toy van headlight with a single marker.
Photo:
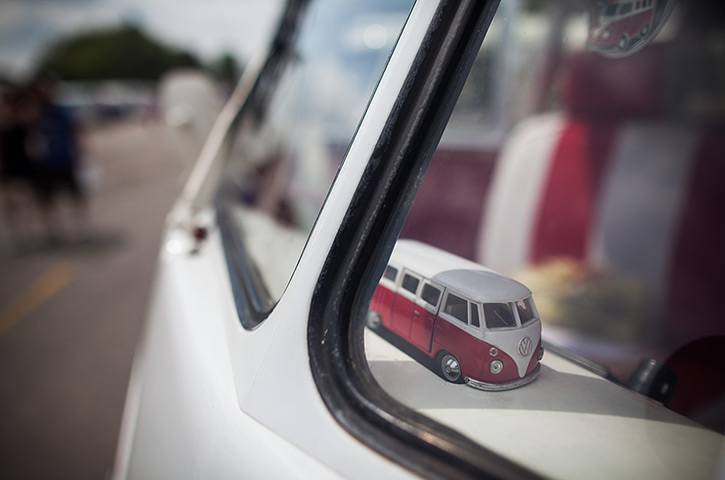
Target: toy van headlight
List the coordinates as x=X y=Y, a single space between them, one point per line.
x=495 y=366
x=540 y=354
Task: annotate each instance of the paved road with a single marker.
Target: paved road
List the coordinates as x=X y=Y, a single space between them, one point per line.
x=70 y=315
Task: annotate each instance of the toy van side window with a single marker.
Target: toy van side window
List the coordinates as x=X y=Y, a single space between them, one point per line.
x=457 y=307
x=410 y=283
x=475 y=320
x=391 y=273
x=525 y=309
x=498 y=315
x=430 y=294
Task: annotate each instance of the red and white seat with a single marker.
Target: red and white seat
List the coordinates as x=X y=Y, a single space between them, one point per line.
x=619 y=182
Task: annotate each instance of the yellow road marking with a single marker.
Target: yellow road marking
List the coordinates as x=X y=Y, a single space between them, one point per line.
x=42 y=289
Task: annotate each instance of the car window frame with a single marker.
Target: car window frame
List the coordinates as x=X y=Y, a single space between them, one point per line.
x=252 y=299
x=361 y=250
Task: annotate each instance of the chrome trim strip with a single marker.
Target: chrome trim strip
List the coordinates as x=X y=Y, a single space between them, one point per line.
x=497 y=387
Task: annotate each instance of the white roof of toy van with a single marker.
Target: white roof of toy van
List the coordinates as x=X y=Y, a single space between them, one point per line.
x=464 y=276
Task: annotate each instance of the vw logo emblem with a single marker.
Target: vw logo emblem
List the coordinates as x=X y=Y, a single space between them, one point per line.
x=525 y=346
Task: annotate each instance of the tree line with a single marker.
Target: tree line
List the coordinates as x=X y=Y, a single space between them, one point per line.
x=124 y=52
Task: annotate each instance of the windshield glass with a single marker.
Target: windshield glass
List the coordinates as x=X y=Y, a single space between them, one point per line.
x=584 y=160
x=498 y=315
x=283 y=157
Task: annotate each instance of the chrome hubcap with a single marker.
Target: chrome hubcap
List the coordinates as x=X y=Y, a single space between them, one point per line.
x=373 y=320
x=451 y=368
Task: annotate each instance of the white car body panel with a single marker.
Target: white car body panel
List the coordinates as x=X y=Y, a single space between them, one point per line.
x=182 y=418
x=188 y=421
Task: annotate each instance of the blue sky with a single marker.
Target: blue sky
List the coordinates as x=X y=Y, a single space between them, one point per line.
x=206 y=27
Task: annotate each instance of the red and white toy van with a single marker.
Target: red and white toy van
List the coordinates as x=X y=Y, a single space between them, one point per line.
x=479 y=326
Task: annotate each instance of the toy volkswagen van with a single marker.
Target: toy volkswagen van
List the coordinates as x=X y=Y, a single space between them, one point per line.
x=477 y=325
x=617 y=26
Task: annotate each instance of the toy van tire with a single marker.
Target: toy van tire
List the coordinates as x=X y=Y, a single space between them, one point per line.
x=449 y=367
x=373 y=320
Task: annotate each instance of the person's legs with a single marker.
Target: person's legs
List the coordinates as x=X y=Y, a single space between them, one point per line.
x=72 y=183
x=46 y=189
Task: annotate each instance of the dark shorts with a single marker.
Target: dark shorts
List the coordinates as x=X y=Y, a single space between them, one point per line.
x=16 y=172
x=51 y=182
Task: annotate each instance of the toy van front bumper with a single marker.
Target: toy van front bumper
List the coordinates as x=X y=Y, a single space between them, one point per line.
x=494 y=387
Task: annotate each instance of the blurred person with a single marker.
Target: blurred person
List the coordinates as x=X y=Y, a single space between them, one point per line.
x=56 y=156
x=16 y=169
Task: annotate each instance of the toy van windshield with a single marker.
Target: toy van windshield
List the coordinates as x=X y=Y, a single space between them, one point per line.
x=471 y=324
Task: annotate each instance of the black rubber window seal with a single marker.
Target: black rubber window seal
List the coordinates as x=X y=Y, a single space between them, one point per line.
x=363 y=245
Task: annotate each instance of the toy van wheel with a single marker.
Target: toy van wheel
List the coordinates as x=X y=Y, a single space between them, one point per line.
x=373 y=320
x=449 y=367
